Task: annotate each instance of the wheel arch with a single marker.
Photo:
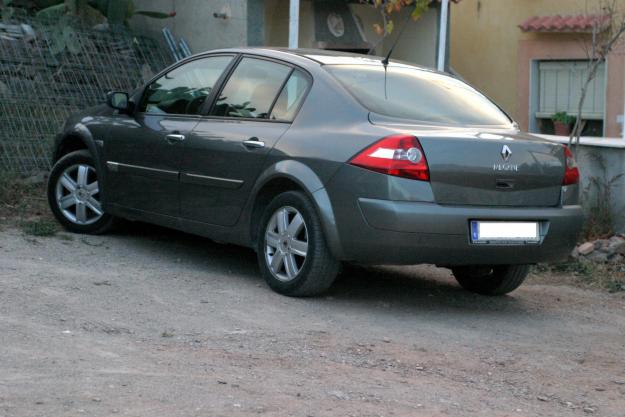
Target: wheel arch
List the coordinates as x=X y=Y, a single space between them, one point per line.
x=291 y=175
x=80 y=138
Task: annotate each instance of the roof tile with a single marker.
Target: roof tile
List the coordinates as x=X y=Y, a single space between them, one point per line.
x=558 y=23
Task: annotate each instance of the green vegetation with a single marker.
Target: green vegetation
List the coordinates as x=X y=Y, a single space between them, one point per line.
x=41 y=227
x=580 y=272
x=563 y=117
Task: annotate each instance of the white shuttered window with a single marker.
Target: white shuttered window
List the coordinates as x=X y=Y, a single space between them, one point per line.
x=560 y=86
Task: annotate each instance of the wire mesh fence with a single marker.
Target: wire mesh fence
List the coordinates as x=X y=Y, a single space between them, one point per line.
x=40 y=86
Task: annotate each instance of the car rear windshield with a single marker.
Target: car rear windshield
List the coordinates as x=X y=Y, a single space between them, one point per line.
x=418 y=94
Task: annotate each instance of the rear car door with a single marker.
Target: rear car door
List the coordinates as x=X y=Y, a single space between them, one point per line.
x=144 y=151
x=225 y=154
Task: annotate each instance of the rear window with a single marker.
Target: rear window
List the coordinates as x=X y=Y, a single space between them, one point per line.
x=417 y=94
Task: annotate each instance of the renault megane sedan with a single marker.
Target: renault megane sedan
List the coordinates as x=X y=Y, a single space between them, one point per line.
x=314 y=158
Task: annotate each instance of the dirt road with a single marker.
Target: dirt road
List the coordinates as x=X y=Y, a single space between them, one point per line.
x=149 y=322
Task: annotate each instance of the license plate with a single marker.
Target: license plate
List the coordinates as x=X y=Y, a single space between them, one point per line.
x=504 y=232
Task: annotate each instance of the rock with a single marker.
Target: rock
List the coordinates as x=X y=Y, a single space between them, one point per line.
x=542 y=398
x=598 y=257
x=586 y=248
x=575 y=253
x=601 y=243
x=620 y=248
x=339 y=395
x=35 y=179
x=589 y=410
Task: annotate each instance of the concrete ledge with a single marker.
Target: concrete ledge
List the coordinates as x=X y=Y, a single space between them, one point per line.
x=588 y=141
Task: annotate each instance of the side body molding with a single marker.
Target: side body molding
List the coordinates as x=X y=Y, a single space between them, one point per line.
x=309 y=181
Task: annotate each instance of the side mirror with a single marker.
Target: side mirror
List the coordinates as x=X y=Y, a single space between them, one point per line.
x=118 y=100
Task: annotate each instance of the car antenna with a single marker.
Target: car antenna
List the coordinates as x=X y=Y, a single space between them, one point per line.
x=387 y=59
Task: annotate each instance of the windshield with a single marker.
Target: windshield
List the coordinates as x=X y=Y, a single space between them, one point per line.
x=418 y=94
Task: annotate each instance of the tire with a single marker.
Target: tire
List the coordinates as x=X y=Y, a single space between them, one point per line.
x=496 y=280
x=84 y=213
x=307 y=275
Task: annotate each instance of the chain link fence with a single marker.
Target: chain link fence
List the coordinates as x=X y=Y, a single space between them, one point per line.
x=39 y=88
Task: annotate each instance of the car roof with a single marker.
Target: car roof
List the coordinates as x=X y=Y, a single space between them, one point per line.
x=320 y=56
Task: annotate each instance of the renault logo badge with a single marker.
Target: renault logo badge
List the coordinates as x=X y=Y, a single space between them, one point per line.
x=506 y=153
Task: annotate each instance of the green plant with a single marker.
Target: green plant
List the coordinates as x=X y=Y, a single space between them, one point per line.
x=388 y=7
x=563 y=117
x=39 y=227
x=597 y=196
x=7 y=11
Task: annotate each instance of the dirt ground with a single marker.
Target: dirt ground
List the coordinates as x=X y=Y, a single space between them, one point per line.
x=150 y=322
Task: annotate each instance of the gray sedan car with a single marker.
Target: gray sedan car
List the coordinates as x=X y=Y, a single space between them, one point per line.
x=314 y=158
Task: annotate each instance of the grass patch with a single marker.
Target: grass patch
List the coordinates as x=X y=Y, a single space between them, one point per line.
x=65 y=236
x=22 y=199
x=39 y=227
x=586 y=274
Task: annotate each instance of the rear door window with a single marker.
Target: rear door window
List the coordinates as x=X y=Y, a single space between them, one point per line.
x=184 y=89
x=251 y=90
x=291 y=97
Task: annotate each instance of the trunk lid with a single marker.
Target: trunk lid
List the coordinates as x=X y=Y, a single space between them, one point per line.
x=487 y=169
x=490 y=167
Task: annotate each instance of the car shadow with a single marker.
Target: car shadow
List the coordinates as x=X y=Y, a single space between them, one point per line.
x=424 y=288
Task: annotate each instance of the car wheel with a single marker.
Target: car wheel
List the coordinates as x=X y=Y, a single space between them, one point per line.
x=74 y=194
x=293 y=256
x=496 y=280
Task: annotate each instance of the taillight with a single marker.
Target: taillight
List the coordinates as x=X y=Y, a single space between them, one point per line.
x=571 y=172
x=398 y=155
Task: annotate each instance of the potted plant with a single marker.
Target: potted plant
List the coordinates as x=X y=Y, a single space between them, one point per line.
x=562 y=122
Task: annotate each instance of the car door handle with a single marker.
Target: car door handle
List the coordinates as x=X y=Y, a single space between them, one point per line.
x=254 y=143
x=174 y=137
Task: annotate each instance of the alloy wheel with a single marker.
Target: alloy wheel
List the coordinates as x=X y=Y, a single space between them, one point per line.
x=286 y=243
x=78 y=194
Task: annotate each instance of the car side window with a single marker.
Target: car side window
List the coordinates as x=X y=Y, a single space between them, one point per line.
x=184 y=89
x=251 y=89
x=291 y=97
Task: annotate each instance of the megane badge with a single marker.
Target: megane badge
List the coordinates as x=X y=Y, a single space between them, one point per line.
x=506 y=153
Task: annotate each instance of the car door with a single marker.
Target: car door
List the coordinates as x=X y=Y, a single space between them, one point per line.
x=226 y=152
x=144 y=150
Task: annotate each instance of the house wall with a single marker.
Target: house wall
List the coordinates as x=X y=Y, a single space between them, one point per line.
x=490 y=51
x=563 y=46
x=194 y=21
x=417 y=44
x=266 y=22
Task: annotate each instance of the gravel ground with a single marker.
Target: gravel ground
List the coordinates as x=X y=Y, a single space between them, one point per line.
x=150 y=322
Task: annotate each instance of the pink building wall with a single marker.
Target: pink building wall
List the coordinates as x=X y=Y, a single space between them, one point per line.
x=545 y=47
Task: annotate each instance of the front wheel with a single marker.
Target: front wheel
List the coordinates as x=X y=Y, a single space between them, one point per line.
x=293 y=256
x=487 y=280
x=74 y=194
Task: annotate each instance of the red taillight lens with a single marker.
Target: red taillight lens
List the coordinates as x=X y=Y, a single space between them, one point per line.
x=398 y=155
x=571 y=172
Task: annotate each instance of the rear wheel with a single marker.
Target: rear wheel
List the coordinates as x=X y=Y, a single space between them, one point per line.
x=491 y=280
x=74 y=194
x=293 y=256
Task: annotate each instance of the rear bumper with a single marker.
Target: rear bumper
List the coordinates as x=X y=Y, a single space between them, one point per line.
x=402 y=232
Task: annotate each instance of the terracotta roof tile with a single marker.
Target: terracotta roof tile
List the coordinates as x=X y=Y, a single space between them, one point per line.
x=557 y=23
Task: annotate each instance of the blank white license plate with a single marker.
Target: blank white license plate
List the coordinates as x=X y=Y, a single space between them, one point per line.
x=501 y=232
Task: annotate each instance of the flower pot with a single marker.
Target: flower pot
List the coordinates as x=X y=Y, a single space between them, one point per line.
x=561 y=129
